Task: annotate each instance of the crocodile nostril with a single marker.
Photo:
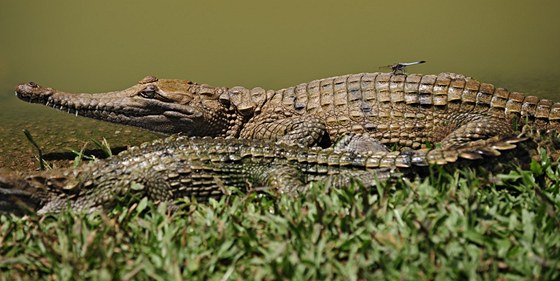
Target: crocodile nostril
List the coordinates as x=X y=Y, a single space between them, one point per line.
x=32 y=85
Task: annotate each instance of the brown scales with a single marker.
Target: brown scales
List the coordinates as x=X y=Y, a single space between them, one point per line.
x=180 y=167
x=461 y=117
x=394 y=109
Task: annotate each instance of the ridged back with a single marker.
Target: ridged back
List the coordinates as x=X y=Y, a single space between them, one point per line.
x=347 y=98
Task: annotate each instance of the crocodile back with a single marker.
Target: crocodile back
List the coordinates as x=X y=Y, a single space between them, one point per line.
x=407 y=109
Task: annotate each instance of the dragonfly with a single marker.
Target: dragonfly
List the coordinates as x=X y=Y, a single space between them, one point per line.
x=399 y=68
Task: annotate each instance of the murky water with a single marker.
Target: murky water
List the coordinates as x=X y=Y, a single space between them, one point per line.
x=107 y=45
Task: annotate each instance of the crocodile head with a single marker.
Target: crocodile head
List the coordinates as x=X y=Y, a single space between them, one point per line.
x=38 y=193
x=160 y=105
x=17 y=195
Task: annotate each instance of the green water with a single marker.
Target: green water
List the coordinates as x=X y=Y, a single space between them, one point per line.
x=108 y=45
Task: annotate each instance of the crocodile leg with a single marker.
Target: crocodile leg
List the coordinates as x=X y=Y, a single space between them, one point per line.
x=280 y=179
x=481 y=127
x=295 y=130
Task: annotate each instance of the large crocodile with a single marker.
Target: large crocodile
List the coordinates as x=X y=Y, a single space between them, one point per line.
x=177 y=167
x=398 y=109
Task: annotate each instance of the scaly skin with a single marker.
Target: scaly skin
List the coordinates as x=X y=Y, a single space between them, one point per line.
x=395 y=109
x=179 y=167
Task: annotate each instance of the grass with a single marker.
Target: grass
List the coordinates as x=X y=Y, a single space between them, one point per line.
x=449 y=226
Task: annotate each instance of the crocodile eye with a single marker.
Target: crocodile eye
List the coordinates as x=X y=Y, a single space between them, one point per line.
x=149 y=92
x=33 y=85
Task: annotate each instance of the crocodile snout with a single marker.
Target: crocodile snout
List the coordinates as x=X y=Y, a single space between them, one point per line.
x=28 y=87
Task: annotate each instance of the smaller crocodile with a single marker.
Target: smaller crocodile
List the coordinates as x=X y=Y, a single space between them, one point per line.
x=179 y=167
x=399 y=110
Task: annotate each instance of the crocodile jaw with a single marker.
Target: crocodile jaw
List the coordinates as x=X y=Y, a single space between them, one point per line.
x=129 y=108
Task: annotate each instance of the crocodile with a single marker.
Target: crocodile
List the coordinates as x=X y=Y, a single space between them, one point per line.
x=202 y=168
x=396 y=109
